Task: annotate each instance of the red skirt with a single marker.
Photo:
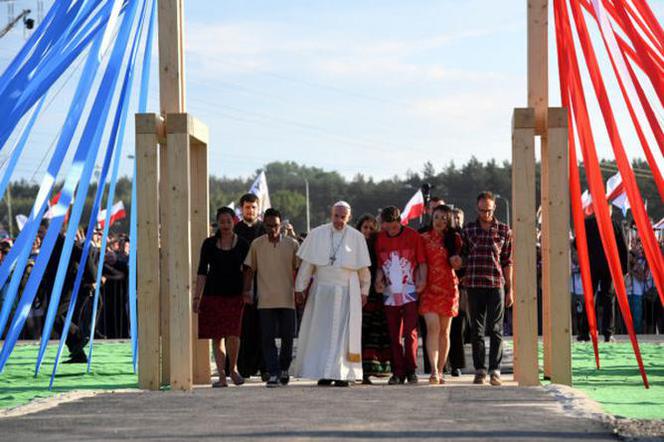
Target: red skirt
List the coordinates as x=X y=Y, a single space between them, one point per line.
x=220 y=316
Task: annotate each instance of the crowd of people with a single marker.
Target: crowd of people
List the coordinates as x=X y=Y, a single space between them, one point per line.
x=112 y=313
x=360 y=292
x=358 y=298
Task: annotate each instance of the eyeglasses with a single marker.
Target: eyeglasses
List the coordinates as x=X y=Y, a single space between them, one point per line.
x=486 y=210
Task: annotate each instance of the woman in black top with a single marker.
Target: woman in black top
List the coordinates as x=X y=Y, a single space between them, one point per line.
x=218 y=294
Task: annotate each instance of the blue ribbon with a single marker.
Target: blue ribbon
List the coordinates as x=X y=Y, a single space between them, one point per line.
x=18 y=149
x=19 y=253
x=80 y=175
x=44 y=27
x=133 y=225
x=30 y=76
x=117 y=134
x=23 y=96
x=80 y=171
x=122 y=108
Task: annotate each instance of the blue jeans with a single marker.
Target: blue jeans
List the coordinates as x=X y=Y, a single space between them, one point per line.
x=636 y=306
x=277 y=323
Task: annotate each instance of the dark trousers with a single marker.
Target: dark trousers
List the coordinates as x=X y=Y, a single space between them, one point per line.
x=76 y=339
x=277 y=323
x=606 y=301
x=486 y=305
x=250 y=358
x=402 y=322
x=457 y=355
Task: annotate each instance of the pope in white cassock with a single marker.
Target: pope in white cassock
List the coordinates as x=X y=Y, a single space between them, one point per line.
x=329 y=345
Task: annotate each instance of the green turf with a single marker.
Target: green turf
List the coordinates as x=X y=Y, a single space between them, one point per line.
x=111 y=369
x=617 y=386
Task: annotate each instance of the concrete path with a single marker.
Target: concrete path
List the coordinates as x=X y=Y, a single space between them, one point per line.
x=303 y=411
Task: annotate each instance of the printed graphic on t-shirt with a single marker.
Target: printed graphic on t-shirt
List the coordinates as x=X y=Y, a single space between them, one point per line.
x=399 y=276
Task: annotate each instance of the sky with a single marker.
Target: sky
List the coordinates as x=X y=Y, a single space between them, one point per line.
x=371 y=87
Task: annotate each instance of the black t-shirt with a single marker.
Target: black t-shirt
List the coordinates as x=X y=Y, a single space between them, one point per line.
x=223 y=268
x=247 y=232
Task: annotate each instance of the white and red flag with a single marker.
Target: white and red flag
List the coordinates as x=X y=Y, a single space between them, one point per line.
x=615 y=194
x=117 y=213
x=414 y=208
x=51 y=204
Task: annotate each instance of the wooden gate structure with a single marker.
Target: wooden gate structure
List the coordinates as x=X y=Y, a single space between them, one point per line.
x=173 y=215
x=550 y=125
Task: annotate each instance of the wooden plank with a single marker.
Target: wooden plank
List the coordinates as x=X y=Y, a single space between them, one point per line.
x=524 y=229
x=187 y=123
x=559 y=249
x=165 y=245
x=200 y=229
x=179 y=261
x=171 y=56
x=547 y=282
x=538 y=86
x=147 y=204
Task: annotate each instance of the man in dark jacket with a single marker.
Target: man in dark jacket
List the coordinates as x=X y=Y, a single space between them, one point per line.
x=601 y=277
x=250 y=359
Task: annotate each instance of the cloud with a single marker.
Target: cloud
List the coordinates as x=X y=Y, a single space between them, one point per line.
x=263 y=46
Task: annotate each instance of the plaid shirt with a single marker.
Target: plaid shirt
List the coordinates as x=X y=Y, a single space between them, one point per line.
x=485 y=253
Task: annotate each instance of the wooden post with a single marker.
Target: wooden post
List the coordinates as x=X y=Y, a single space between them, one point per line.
x=147 y=204
x=559 y=247
x=164 y=246
x=538 y=51
x=200 y=224
x=538 y=99
x=524 y=256
x=171 y=99
x=171 y=56
x=547 y=279
x=179 y=258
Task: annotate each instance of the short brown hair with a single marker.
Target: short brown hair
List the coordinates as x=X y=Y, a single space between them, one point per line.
x=248 y=198
x=486 y=195
x=390 y=214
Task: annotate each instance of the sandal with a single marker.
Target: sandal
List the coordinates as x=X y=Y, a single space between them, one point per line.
x=237 y=378
x=221 y=382
x=434 y=379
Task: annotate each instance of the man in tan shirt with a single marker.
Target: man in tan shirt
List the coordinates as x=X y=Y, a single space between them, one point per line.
x=273 y=257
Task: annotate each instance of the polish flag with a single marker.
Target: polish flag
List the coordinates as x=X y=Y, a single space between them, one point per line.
x=616 y=194
x=51 y=204
x=414 y=208
x=587 y=203
x=117 y=213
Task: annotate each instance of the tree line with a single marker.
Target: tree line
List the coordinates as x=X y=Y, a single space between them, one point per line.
x=457 y=185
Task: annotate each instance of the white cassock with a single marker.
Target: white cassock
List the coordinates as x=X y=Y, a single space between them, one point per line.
x=329 y=344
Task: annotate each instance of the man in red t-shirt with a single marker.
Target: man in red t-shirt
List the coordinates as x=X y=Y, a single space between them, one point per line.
x=400 y=277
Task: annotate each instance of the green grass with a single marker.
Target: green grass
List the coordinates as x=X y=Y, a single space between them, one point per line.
x=617 y=386
x=111 y=369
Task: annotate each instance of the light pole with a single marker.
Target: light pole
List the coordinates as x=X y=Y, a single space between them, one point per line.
x=306 y=189
x=507 y=208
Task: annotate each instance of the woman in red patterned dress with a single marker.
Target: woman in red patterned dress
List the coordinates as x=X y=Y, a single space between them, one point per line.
x=218 y=295
x=440 y=301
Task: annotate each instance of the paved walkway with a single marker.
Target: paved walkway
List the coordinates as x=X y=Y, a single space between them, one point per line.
x=302 y=411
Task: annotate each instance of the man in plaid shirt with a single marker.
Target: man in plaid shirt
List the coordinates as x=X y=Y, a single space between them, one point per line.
x=487 y=257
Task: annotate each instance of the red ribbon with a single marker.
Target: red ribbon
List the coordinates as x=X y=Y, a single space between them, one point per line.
x=591 y=163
